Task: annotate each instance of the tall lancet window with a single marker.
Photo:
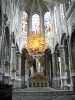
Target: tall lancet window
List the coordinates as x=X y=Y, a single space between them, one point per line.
x=47 y=24
x=24 y=23
x=24 y=29
x=35 y=23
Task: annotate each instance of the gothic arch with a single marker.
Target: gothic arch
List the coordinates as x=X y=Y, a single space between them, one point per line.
x=48 y=70
x=72 y=45
x=65 y=55
x=23 y=63
x=7 y=49
x=7 y=41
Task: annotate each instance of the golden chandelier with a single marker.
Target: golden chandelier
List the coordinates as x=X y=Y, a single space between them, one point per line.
x=36 y=43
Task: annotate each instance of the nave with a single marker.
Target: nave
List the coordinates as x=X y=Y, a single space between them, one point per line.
x=37 y=49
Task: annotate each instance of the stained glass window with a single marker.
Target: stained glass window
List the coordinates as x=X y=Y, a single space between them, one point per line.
x=23 y=38
x=47 y=24
x=24 y=23
x=35 y=23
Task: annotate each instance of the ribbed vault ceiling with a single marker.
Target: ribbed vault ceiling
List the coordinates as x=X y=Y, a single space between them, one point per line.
x=38 y=5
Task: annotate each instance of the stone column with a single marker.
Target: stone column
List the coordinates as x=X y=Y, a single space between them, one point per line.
x=71 y=78
x=30 y=24
x=19 y=62
x=19 y=68
x=63 y=75
x=26 y=73
x=41 y=22
x=53 y=63
x=71 y=69
x=56 y=81
x=46 y=65
x=13 y=64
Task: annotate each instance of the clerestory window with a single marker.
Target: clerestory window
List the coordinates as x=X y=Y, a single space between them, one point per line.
x=35 y=23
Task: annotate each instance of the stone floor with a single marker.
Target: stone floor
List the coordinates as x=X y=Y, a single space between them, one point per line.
x=70 y=97
x=42 y=94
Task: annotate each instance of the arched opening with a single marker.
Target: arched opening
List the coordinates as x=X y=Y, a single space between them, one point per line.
x=23 y=65
x=48 y=70
x=64 y=55
x=7 y=40
x=7 y=49
x=72 y=43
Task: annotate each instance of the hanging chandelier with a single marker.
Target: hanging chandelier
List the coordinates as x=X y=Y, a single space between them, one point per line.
x=36 y=43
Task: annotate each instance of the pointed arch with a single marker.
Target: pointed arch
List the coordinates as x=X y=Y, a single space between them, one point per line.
x=72 y=38
x=72 y=45
x=23 y=66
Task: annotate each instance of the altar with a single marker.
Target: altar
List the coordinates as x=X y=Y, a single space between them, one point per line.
x=38 y=80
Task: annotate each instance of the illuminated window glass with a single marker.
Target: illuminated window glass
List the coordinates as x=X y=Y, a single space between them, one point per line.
x=61 y=12
x=47 y=24
x=24 y=23
x=35 y=23
x=23 y=39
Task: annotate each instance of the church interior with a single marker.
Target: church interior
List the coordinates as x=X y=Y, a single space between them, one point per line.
x=37 y=45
